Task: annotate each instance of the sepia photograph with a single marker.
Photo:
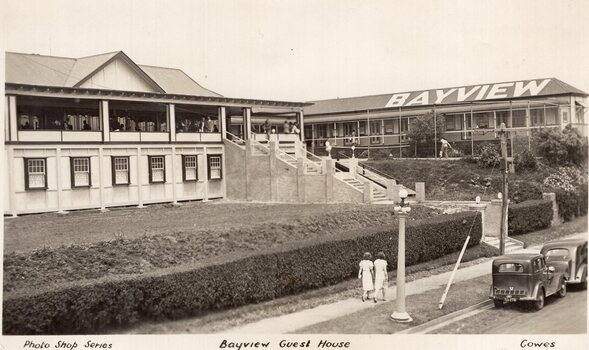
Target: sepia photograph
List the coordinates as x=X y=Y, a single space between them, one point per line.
x=294 y=174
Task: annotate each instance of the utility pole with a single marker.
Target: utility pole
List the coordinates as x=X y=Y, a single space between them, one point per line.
x=503 y=134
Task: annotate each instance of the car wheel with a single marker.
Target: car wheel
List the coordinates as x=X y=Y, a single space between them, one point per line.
x=539 y=303
x=498 y=303
x=563 y=289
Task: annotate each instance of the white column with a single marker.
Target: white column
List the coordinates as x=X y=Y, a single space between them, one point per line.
x=222 y=122
x=247 y=123
x=59 y=186
x=174 y=194
x=13 y=118
x=206 y=199
x=101 y=178
x=224 y=179
x=301 y=118
x=172 y=127
x=573 y=118
x=105 y=121
x=139 y=189
x=11 y=181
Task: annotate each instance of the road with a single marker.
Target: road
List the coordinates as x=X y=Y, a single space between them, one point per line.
x=559 y=316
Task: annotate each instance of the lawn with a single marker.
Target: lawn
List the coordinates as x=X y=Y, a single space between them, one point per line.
x=137 y=241
x=461 y=180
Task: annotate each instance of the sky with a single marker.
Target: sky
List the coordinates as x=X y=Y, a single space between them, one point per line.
x=310 y=50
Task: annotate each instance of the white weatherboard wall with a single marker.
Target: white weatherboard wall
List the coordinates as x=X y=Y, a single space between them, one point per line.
x=18 y=200
x=118 y=75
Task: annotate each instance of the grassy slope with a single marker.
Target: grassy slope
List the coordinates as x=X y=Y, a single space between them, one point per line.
x=460 y=180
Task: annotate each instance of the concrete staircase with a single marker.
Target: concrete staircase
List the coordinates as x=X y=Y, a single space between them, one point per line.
x=377 y=194
x=510 y=243
x=295 y=156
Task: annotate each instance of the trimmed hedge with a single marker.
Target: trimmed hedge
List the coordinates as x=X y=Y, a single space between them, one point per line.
x=92 y=306
x=572 y=204
x=529 y=216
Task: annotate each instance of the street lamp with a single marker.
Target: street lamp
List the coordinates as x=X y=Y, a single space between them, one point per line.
x=353 y=148
x=400 y=315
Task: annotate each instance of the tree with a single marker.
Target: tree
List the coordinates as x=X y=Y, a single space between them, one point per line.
x=422 y=133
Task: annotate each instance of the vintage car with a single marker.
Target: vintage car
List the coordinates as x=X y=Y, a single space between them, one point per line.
x=572 y=252
x=528 y=278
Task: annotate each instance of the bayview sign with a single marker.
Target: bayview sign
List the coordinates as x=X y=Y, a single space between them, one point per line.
x=469 y=93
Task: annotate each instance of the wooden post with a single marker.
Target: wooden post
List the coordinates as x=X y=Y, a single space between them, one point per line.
x=503 y=134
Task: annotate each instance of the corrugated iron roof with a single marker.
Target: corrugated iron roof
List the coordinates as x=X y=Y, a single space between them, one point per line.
x=86 y=65
x=40 y=70
x=175 y=81
x=37 y=69
x=482 y=92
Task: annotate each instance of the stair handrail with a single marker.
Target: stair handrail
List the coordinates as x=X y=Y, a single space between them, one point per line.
x=233 y=137
x=317 y=165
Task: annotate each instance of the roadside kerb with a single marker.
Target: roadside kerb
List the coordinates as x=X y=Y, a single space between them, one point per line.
x=449 y=318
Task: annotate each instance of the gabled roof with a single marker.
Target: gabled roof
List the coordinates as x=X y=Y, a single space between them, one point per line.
x=33 y=69
x=85 y=66
x=175 y=81
x=446 y=96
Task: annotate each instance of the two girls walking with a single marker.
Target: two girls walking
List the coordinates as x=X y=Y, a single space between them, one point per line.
x=374 y=276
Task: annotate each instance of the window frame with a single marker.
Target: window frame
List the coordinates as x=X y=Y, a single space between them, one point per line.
x=113 y=170
x=150 y=165
x=220 y=156
x=184 y=157
x=73 y=173
x=26 y=165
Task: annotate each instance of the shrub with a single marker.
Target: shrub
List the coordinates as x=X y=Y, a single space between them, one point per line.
x=562 y=147
x=489 y=155
x=521 y=191
x=572 y=204
x=529 y=216
x=91 y=306
x=525 y=160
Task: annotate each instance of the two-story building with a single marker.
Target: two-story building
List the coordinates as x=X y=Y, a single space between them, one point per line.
x=103 y=131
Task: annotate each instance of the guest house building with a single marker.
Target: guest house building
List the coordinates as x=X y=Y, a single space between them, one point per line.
x=103 y=131
x=471 y=114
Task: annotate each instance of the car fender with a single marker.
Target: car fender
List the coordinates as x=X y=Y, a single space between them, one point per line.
x=580 y=271
x=537 y=287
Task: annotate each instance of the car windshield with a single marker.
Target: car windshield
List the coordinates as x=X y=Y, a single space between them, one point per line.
x=511 y=268
x=557 y=252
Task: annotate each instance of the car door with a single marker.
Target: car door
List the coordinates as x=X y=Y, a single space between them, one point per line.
x=550 y=278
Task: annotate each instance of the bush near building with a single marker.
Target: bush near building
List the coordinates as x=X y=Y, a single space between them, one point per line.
x=529 y=216
x=92 y=306
x=562 y=147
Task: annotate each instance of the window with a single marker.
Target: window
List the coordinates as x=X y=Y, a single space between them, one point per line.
x=214 y=167
x=559 y=251
x=157 y=169
x=189 y=168
x=120 y=170
x=80 y=172
x=511 y=268
x=375 y=131
x=35 y=173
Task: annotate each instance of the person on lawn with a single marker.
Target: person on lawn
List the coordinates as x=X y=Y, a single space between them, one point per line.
x=445 y=146
x=366 y=274
x=381 y=279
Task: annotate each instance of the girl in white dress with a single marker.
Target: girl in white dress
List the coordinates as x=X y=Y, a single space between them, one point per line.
x=381 y=280
x=366 y=274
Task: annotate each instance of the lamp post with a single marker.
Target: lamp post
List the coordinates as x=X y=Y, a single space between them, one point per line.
x=400 y=315
x=353 y=148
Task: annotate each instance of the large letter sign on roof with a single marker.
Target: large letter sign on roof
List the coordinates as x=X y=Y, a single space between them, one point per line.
x=469 y=93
